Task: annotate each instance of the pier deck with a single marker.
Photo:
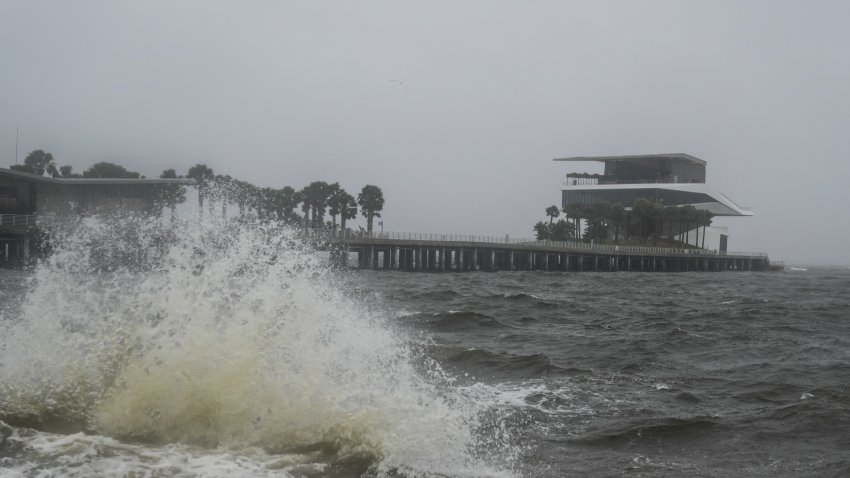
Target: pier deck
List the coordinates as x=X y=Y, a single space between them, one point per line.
x=418 y=252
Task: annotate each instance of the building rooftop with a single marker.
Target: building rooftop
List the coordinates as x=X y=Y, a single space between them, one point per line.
x=114 y=181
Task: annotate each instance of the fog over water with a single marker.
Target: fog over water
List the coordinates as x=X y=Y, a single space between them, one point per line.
x=455 y=109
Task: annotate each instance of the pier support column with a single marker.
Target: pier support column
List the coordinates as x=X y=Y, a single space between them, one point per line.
x=581 y=262
x=460 y=259
x=394 y=258
x=511 y=260
x=530 y=261
x=443 y=259
x=492 y=259
x=475 y=259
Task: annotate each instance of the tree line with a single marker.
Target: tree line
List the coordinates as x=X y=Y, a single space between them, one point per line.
x=314 y=201
x=39 y=162
x=646 y=221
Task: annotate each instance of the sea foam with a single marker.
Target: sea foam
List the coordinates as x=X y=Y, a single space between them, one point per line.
x=228 y=336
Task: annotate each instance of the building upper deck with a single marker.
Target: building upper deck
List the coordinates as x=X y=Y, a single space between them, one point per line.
x=642 y=169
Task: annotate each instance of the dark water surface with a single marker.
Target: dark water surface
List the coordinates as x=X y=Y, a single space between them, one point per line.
x=632 y=374
x=572 y=374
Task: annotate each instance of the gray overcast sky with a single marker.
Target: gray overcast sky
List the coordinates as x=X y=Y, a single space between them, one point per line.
x=284 y=93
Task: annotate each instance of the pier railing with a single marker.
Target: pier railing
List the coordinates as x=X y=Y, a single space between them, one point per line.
x=348 y=236
x=580 y=181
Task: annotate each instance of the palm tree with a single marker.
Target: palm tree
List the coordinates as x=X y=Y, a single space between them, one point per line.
x=316 y=201
x=339 y=204
x=573 y=211
x=705 y=220
x=596 y=215
x=688 y=215
x=171 y=194
x=552 y=212
x=202 y=174
x=348 y=211
x=657 y=221
x=240 y=192
x=371 y=201
x=303 y=195
x=642 y=209
x=287 y=200
x=223 y=191
x=617 y=213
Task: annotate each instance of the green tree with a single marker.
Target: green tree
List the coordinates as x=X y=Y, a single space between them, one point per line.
x=552 y=212
x=35 y=163
x=705 y=218
x=170 y=195
x=657 y=221
x=315 y=196
x=541 y=230
x=688 y=214
x=574 y=211
x=105 y=169
x=203 y=175
x=643 y=210
x=617 y=213
x=371 y=201
x=341 y=204
x=349 y=211
x=288 y=200
x=597 y=226
x=561 y=231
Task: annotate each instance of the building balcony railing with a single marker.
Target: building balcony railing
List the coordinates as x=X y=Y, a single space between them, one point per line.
x=22 y=220
x=579 y=182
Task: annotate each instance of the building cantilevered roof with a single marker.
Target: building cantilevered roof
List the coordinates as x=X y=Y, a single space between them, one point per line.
x=674 y=156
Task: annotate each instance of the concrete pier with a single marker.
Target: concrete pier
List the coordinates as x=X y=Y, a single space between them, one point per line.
x=452 y=253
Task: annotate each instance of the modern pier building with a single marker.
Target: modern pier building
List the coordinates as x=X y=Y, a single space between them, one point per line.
x=675 y=179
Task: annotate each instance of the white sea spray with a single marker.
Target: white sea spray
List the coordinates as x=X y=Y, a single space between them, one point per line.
x=230 y=336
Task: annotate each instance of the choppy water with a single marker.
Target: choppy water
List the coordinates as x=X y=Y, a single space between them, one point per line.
x=240 y=354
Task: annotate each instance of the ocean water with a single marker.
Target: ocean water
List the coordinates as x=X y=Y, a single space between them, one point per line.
x=219 y=350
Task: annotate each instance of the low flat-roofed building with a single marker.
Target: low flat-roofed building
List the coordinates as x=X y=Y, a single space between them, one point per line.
x=27 y=199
